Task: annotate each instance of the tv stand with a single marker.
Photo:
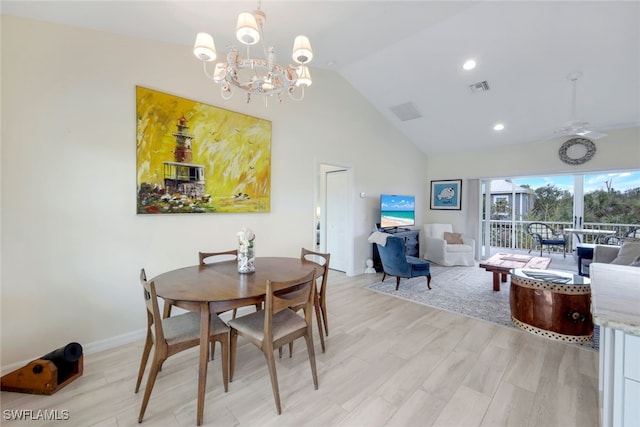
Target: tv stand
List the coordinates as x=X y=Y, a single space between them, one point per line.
x=411 y=244
x=394 y=230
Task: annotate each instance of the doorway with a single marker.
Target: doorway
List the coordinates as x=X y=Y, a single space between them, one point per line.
x=333 y=212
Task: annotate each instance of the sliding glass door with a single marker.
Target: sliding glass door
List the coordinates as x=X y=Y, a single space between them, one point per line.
x=602 y=201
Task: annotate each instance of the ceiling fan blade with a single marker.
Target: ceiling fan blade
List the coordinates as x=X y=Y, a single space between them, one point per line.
x=572 y=127
x=591 y=134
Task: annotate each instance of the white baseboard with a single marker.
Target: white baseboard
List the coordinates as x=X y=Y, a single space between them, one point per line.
x=113 y=342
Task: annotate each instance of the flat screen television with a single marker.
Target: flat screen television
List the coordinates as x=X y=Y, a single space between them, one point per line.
x=397 y=211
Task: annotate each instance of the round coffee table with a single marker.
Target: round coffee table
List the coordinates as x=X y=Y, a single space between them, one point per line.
x=554 y=304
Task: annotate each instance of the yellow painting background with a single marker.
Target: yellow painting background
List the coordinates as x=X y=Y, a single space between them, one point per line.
x=234 y=148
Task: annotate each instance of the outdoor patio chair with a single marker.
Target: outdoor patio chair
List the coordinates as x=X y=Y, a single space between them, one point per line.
x=618 y=240
x=543 y=234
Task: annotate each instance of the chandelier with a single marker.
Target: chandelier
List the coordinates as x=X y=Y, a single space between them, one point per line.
x=259 y=75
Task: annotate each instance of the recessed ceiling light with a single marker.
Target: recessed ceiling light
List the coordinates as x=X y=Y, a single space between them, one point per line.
x=470 y=64
x=498 y=127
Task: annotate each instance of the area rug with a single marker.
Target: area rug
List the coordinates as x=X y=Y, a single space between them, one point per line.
x=462 y=290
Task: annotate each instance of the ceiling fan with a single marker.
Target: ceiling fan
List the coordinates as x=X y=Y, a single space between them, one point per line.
x=577 y=127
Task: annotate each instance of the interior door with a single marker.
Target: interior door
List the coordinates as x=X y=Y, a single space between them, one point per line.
x=337 y=191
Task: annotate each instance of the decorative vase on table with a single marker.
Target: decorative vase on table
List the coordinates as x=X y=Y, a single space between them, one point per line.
x=246 y=251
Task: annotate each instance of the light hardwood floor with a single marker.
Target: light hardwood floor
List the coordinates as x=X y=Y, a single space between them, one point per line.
x=388 y=362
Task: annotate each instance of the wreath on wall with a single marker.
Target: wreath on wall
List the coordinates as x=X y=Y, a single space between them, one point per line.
x=577 y=151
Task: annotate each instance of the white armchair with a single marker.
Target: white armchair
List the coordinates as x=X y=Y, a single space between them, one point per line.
x=454 y=250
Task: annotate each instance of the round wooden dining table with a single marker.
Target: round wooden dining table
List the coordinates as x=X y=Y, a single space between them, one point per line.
x=218 y=287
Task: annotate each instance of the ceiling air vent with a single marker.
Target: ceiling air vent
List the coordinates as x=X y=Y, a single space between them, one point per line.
x=406 y=111
x=482 y=86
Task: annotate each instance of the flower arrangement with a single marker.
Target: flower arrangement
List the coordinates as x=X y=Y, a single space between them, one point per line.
x=246 y=255
x=245 y=239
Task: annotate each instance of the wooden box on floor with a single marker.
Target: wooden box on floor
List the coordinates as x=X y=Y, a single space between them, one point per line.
x=41 y=377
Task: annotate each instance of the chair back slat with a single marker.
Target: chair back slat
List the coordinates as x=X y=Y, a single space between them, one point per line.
x=282 y=295
x=322 y=261
x=212 y=257
x=153 y=310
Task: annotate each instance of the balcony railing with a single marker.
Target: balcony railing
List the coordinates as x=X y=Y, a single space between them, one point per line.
x=513 y=234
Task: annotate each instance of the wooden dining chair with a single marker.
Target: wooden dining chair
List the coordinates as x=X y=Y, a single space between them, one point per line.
x=321 y=261
x=278 y=324
x=213 y=257
x=206 y=258
x=172 y=335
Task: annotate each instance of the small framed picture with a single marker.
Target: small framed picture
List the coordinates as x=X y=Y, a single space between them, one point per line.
x=446 y=194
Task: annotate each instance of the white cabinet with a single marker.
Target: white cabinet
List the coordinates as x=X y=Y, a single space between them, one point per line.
x=615 y=306
x=619 y=378
x=631 y=415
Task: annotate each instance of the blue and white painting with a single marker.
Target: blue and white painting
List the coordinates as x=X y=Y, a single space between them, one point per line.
x=446 y=194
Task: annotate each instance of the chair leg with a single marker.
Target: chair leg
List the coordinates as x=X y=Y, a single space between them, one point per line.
x=316 y=308
x=397 y=282
x=167 y=310
x=235 y=311
x=384 y=276
x=224 y=343
x=271 y=363
x=323 y=307
x=232 y=352
x=319 y=320
x=145 y=356
x=212 y=350
x=155 y=368
x=312 y=357
x=429 y=281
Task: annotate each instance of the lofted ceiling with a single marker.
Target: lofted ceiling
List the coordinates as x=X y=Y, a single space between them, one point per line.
x=410 y=54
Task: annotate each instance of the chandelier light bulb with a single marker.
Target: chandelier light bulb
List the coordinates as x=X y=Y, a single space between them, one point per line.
x=304 y=76
x=220 y=72
x=247 y=29
x=267 y=85
x=302 y=52
x=204 y=48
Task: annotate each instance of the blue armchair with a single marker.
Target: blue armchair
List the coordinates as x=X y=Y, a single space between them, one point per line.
x=396 y=263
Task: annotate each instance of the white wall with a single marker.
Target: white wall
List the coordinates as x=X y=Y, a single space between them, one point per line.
x=72 y=244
